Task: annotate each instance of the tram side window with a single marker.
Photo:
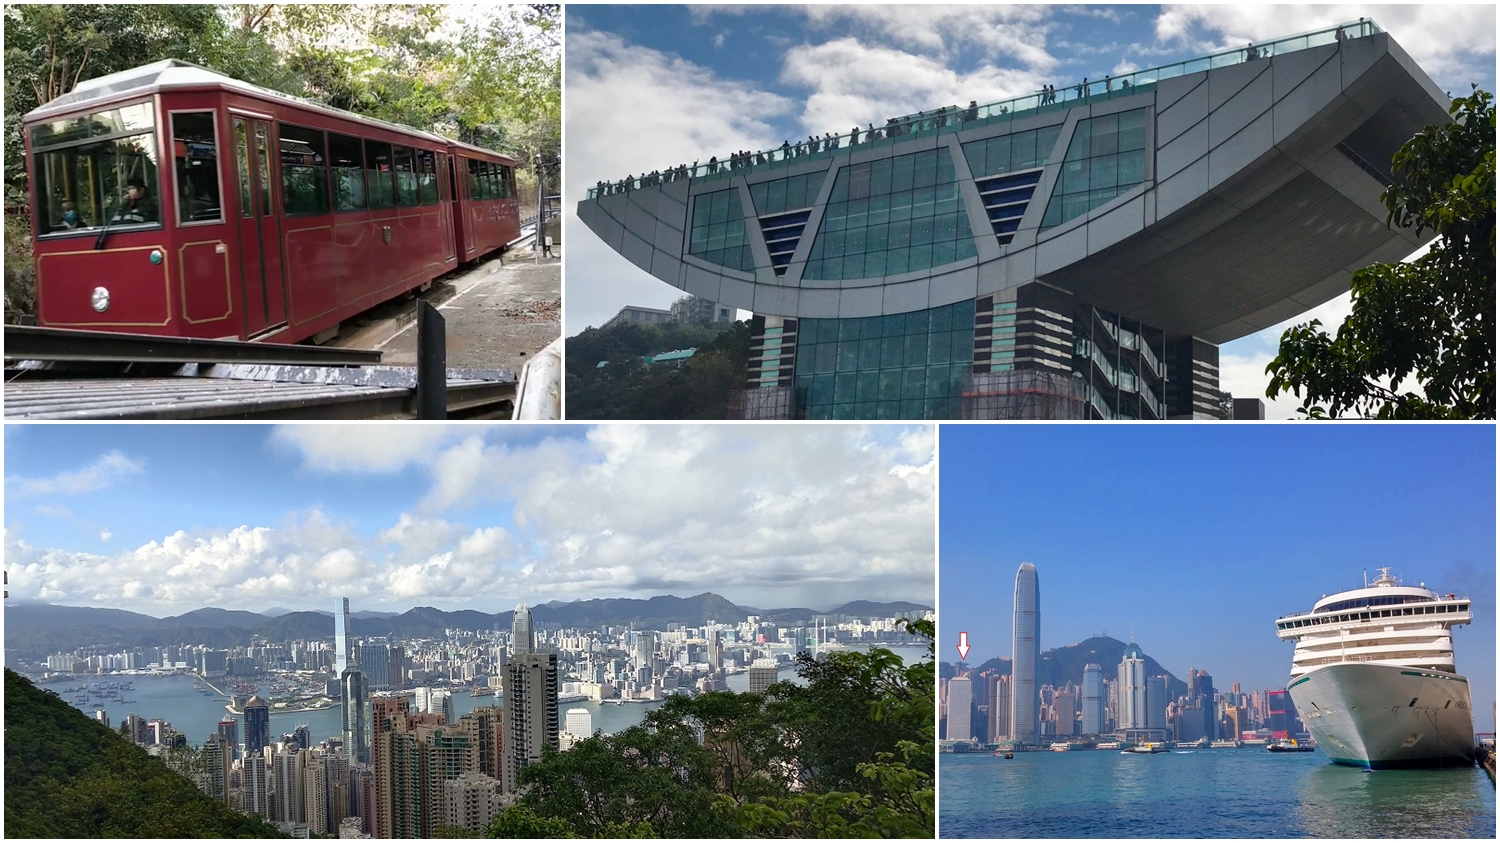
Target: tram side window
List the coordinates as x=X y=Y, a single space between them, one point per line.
x=507 y=182
x=497 y=182
x=346 y=162
x=476 y=189
x=427 y=186
x=85 y=182
x=378 y=176
x=195 y=151
x=304 y=171
x=406 y=177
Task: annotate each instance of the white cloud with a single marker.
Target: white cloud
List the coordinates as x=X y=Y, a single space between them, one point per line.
x=98 y=475
x=1017 y=34
x=359 y=448
x=856 y=83
x=631 y=110
x=764 y=514
x=1455 y=44
x=105 y=535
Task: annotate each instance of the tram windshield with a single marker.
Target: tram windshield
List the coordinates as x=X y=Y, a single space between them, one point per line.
x=96 y=169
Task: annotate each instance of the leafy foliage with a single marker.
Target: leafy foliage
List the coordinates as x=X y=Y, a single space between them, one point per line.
x=1432 y=319
x=69 y=776
x=849 y=752
x=627 y=388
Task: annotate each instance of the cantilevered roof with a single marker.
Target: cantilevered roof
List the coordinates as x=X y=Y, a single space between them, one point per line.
x=1260 y=199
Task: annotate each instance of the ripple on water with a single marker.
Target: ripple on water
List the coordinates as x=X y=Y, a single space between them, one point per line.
x=1212 y=793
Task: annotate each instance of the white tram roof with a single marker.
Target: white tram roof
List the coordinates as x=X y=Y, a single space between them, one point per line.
x=174 y=73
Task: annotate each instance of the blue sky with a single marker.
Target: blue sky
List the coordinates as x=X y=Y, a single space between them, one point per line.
x=1197 y=537
x=649 y=87
x=163 y=519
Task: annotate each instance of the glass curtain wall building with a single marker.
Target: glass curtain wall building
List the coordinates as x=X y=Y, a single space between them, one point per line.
x=1078 y=253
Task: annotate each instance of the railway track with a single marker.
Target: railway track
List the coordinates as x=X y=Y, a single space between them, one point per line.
x=55 y=373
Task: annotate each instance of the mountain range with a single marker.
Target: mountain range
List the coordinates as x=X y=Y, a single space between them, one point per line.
x=1062 y=665
x=40 y=629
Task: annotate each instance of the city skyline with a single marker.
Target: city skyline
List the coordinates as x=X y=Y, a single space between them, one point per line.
x=720 y=79
x=1217 y=537
x=164 y=521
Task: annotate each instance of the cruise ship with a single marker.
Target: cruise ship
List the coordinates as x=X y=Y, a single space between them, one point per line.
x=1374 y=680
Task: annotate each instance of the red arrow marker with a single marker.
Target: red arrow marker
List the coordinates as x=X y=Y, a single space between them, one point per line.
x=963 y=645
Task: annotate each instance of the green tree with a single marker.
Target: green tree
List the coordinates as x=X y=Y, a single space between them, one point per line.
x=846 y=752
x=1432 y=319
x=67 y=775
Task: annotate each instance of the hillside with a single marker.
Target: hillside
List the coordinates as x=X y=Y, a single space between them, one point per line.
x=627 y=388
x=1065 y=664
x=69 y=776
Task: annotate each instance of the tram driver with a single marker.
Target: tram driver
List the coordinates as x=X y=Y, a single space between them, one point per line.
x=138 y=205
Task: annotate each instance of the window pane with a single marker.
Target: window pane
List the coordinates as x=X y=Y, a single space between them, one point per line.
x=242 y=164
x=427 y=186
x=304 y=171
x=83 y=187
x=378 y=175
x=346 y=162
x=406 y=177
x=195 y=151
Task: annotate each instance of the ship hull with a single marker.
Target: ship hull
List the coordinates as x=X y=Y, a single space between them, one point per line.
x=1386 y=716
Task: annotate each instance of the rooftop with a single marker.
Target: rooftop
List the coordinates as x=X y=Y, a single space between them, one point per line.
x=952 y=118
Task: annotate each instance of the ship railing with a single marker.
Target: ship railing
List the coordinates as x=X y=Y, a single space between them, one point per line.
x=953 y=118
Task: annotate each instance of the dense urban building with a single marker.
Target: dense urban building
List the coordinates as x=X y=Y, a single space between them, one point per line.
x=1080 y=252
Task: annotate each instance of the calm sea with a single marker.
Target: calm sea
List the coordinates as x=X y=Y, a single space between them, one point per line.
x=173 y=699
x=1205 y=793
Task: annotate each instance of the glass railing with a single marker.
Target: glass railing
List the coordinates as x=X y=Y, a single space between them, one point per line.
x=952 y=118
x=1150 y=357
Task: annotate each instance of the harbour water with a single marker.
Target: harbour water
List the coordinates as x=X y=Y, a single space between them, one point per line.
x=173 y=699
x=1205 y=793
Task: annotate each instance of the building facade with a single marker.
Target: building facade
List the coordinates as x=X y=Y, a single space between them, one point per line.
x=1093 y=700
x=1081 y=254
x=960 y=705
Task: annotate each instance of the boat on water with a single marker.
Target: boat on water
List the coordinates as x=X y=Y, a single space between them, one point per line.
x=1225 y=744
x=1374 y=677
x=1145 y=749
x=1108 y=745
x=1289 y=746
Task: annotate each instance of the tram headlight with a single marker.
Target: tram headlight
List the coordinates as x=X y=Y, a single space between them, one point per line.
x=100 y=299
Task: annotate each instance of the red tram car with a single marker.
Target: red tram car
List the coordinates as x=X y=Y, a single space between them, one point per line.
x=275 y=219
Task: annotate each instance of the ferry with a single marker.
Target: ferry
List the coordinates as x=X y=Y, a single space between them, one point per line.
x=1064 y=746
x=1225 y=744
x=1145 y=749
x=1289 y=746
x=1374 y=678
x=1108 y=745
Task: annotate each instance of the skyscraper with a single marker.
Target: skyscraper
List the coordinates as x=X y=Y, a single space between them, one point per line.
x=522 y=637
x=580 y=722
x=763 y=674
x=1093 y=699
x=960 y=701
x=1025 y=655
x=341 y=636
x=257 y=727
x=1065 y=712
x=1132 y=689
x=286 y=784
x=356 y=711
x=1156 y=702
x=999 y=708
x=529 y=683
x=374 y=662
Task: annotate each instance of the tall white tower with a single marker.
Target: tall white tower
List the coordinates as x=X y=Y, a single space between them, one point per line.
x=1025 y=656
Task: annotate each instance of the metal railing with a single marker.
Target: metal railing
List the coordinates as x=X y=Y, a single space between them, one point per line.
x=952 y=118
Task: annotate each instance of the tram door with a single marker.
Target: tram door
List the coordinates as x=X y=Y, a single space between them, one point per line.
x=445 y=219
x=263 y=287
